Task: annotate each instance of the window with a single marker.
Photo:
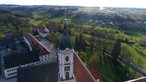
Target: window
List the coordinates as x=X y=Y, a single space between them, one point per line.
x=67 y=68
x=11 y=73
x=8 y=70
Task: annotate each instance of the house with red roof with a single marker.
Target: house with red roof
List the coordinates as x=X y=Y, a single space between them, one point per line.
x=43 y=32
x=35 y=45
x=52 y=28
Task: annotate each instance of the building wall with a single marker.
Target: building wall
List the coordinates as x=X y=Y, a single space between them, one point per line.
x=43 y=35
x=45 y=58
x=12 y=72
x=46 y=30
x=63 y=63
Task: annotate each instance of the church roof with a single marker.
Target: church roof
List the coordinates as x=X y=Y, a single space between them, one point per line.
x=20 y=59
x=95 y=74
x=40 y=73
x=5 y=42
x=65 y=41
x=36 y=45
x=82 y=74
x=49 y=72
x=52 y=28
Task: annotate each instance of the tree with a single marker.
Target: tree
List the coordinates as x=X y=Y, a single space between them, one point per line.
x=93 y=40
x=82 y=56
x=53 y=37
x=116 y=50
x=83 y=43
x=94 y=59
x=2 y=35
x=76 y=42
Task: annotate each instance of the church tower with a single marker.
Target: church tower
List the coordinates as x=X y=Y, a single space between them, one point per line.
x=65 y=57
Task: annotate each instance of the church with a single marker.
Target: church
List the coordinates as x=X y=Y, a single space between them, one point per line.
x=66 y=67
x=65 y=57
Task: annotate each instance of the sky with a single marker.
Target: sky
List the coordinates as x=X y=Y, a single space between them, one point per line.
x=89 y=3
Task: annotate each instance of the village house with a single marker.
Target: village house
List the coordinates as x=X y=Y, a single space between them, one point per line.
x=44 y=32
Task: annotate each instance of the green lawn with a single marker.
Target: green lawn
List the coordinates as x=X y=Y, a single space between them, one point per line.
x=137 y=54
x=106 y=67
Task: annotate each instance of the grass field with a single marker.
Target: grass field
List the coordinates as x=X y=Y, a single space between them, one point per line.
x=138 y=55
x=110 y=71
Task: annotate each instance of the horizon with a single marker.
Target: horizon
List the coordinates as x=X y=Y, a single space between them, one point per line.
x=87 y=3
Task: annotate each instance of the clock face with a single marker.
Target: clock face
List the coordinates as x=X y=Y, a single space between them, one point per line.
x=67 y=59
x=67 y=56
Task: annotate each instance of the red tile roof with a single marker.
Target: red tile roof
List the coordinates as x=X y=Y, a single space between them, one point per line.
x=41 y=29
x=81 y=73
x=142 y=79
x=94 y=73
x=52 y=28
x=36 y=45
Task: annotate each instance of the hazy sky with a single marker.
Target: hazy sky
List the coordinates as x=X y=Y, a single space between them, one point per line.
x=100 y=3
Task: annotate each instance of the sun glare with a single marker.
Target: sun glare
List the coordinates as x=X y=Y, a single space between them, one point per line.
x=101 y=8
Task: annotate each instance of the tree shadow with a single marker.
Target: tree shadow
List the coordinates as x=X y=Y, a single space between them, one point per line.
x=140 y=53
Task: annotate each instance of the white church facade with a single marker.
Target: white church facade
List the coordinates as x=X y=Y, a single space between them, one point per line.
x=65 y=58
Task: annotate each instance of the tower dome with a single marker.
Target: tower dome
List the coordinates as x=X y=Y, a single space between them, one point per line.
x=65 y=41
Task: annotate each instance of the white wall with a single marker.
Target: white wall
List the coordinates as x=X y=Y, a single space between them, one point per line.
x=62 y=64
x=12 y=72
x=45 y=58
x=43 y=35
x=27 y=42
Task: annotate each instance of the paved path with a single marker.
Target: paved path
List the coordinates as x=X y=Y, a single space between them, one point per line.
x=133 y=65
x=50 y=47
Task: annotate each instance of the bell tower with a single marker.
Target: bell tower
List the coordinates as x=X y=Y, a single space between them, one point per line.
x=65 y=57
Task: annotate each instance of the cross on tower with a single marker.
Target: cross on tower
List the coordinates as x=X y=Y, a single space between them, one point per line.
x=65 y=14
x=65 y=17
